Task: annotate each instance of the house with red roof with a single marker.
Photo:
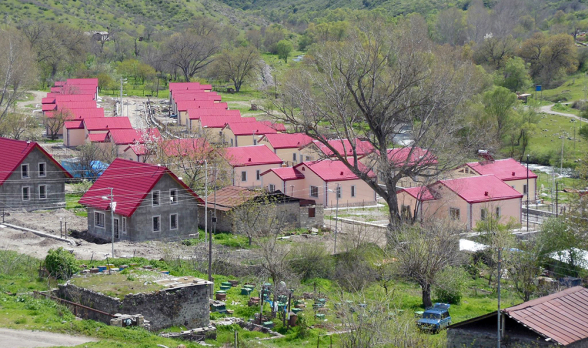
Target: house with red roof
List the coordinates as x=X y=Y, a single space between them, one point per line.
x=193 y=123
x=150 y=203
x=182 y=107
x=211 y=127
x=78 y=132
x=508 y=170
x=120 y=139
x=286 y=145
x=322 y=181
x=239 y=133
x=248 y=162
x=279 y=127
x=71 y=115
x=465 y=200
x=317 y=150
x=30 y=178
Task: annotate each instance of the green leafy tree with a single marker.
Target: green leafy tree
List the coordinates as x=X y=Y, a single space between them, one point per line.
x=60 y=263
x=499 y=106
x=284 y=48
x=515 y=75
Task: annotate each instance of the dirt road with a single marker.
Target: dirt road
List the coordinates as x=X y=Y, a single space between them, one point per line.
x=547 y=110
x=29 y=339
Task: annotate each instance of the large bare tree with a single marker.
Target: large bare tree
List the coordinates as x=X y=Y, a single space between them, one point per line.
x=380 y=79
x=190 y=52
x=237 y=65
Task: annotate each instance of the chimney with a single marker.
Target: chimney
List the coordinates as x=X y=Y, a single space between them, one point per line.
x=513 y=173
x=486 y=193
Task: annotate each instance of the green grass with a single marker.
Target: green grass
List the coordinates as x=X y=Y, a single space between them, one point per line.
x=71 y=203
x=574 y=88
x=120 y=284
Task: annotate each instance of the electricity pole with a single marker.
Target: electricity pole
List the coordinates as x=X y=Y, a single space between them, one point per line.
x=338 y=193
x=528 y=192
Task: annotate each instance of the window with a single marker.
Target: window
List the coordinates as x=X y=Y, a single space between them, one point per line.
x=116 y=228
x=338 y=190
x=124 y=225
x=353 y=191
x=42 y=171
x=294 y=157
x=257 y=175
x=311 y=212
x=24 y=171
x=525 y=189
x=243 y=176
x=313 y=191
x=157 y=224
x=26 y=193
x=254 y=141
x=42 y=191
x=454 y=213
x=98 y=219
x=272 y=187
x=173 y=222
x=498 y=212
x=307 y=158
x=155 y=198
x=232 y=143
x=483 y=214
x=173 y=196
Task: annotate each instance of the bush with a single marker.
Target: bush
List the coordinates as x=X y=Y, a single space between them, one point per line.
x=312 y=261
x=451 y=285
x=60 y=263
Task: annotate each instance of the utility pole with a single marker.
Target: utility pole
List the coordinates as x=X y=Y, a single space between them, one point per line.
x=528 y=192
x=556 y=201
x=206 y=200
x=498 y=313
x=121 y=93
x=210 y=236
x=337 y=193
x=112 y=219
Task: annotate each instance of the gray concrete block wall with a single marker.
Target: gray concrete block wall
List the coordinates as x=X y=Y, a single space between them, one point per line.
x=140 y=224
x=183 y=306
x=54 y=181
x=309 y=222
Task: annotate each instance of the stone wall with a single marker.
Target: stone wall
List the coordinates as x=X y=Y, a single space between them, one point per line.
x=317 y=220
x=180 y=306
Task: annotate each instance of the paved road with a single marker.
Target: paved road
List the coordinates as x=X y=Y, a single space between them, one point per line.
x=30 y=339
x=547 y=110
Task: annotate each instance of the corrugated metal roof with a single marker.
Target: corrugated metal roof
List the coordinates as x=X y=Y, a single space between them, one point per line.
x=184 y=105
x=195 y=114
x=286 y=140
x=251 y=156
x=506 y=169
x=562 y=316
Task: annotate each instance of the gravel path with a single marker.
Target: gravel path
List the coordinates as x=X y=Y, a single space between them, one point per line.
x=30 y=339
x=547 y=110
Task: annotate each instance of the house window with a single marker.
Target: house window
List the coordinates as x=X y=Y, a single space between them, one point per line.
x=254 y=141
x=498 y=212
x=156 y=223
x=353 y=191
x=124 y=225
x=232 y=143
x=307 y=158
x=42 y=171
x=313 y=191
x=525 y=189
x=24 y=171
x=338 y=190
x=155 y=198
x=42 y=191
x=294 y=157
x=173 y=222
x=116 y=228
x=173 y=196
x=243 y=176
x=272 y=187
x=26 y=193
x=311 y=212
x=454 y=213
x=98 y=219
x=257 y=175
x=483 y=214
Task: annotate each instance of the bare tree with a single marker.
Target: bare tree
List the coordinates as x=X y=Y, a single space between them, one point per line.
x=237 y=65
x=451 y=26
x=15 y=125
x=17 y=69
x=55 y=124
x=190 y=52
x=372 y=84
x=256 y=216
x=423 y=251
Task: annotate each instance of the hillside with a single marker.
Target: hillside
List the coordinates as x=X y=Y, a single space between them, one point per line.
x=128 y=15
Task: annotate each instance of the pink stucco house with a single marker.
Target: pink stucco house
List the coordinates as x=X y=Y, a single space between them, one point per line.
x=248 y=162
x=321 y=181
x=466 y=200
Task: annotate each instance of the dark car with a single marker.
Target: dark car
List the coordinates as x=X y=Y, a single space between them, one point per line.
x=436 y=318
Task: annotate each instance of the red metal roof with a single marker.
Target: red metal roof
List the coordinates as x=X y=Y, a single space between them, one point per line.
x=286 y=173
x=195 y=148
x=344 y=148
x=288 y=141
x=131 y=136
x=48 y=107
x=410 y=156
x=332 y=170
x=184 y=105
x=68 y=98
x=80 y=82
x=244 y=156
x=55 y=89
x=477 y=189
x=14 y=152
x=562 y=316
x=107 y=123
x=506 y=169
x=422 y=193
x=277 y=126
x=195 y=114
x=176 y=86
x=130 y=182
x=74 y=124
x=59 y=83
x=76 y=105
x=197 y=97
x=79 y=114
x=139 y=149
x=97 y=137
x=243 y=126
x=221 y=121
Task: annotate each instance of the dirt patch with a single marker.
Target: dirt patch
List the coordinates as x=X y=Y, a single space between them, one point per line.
x=48 y=220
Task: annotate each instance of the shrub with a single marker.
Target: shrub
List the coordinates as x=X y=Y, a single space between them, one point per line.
x=451 y=285
x=60 y=263
x=312 y=261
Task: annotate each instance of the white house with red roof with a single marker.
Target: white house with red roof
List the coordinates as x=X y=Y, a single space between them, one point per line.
x=211 y=127
x=248 y=162
x=182 y=107
x=29 y=177
x=95 y=130
x=151 y=203
x=120 y=139
x=466 y=200
x=286 y=145
x=508 y=170
x=244 y=133
x=321 y=181
x=194 y=115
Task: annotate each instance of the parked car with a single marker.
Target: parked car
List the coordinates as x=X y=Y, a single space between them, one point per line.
x=435 y=318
